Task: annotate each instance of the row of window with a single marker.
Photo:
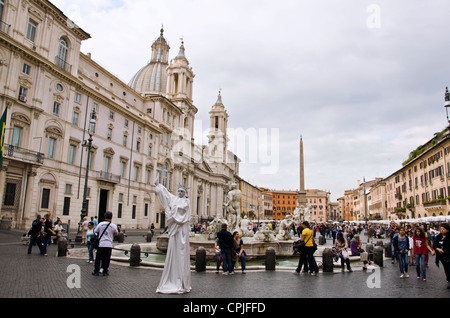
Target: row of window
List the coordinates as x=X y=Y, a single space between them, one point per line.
x=436 y=194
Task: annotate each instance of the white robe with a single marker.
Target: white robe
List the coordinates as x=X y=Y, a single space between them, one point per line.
x=176 y=276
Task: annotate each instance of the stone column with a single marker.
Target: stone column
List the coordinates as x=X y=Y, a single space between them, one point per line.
x=27 y=214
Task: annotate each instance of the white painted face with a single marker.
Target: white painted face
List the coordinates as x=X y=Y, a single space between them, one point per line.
x=181 y=193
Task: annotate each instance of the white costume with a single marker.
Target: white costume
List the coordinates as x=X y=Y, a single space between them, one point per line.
x=176 y=276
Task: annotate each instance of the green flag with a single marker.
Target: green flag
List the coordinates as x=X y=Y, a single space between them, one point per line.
x=2 y=137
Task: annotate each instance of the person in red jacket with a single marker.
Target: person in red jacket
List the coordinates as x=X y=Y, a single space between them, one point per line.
x=421 y=249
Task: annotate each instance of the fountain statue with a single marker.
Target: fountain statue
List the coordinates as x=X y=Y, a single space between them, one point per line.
x=264 y=234
x=233 y=206
x=302 y=213
x=244 y=229
x=283 y=232
x=214 y=226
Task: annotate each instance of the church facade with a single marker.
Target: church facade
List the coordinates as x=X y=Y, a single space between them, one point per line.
x=142 y=130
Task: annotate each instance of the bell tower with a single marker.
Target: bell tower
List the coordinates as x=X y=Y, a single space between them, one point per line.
x=180 y=77
x=217 y=137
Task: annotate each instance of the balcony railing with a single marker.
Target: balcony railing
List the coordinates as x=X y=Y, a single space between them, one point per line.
x=63 y=64
x=435 y=203
x=107 y=176
x=4 y=27
x=23 y=154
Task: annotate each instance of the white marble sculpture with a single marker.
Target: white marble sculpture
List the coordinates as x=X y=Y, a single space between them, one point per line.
x=214 y=227
x=284 y=228
x=233 y=206
x=302 y=213
x=245 y=229
x=264 y=234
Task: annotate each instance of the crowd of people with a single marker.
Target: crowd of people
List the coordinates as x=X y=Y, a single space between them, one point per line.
x=41 y=232
x=44 y=228
x=411 y=244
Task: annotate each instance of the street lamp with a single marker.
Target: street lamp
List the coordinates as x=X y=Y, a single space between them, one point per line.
x=91 y=131
x=447 y=103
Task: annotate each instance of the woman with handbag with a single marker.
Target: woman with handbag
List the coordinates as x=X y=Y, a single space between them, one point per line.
x=309 y=248
x=442 y=248
x=341 y=247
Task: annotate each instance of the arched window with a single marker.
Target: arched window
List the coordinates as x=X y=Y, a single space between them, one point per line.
x=61 y=58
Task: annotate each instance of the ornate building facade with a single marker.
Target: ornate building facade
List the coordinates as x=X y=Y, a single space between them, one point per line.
x=143 y=129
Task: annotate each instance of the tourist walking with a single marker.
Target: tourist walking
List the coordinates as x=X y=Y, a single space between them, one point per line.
x=442 y=248
x=421 y=249
x=35 y=235
x=226 y=246
x=302 y=262
x=47 y=232
x=411 y=245
x=401 y=247
x=84 y=228
x=370 y=233
x=393 y=232
x=240 y=253
x=341 y=248
x=106 y=231
x=176 y=276
x=58 y=228
x=307 y=237
x=428 y=237
x=90 y=234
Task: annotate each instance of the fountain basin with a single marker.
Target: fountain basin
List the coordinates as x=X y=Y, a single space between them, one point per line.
x=252 y=247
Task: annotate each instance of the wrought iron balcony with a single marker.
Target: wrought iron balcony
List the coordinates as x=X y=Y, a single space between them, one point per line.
x=63 y=64
x=22 y=154
x=435 y=203
x=4 y=27
x=107 y=176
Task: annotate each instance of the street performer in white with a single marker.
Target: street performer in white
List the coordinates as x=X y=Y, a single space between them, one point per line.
x=176 y=276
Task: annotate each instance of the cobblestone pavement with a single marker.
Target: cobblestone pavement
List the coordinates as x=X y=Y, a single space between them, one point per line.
x=36 y=276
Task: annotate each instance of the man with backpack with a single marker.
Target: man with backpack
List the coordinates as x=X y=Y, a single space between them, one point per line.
x=35 y=235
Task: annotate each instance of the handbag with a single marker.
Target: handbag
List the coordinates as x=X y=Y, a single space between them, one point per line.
x=95 y=240
x=344 y=254
x=302 y=244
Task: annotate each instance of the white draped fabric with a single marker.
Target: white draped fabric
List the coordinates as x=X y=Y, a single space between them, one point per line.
x=176 y=276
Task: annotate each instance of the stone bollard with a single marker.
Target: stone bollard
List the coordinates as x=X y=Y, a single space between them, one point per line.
x=378 y=256
x=369 y=249
x=270 y=259
x=380 y=243
x=135 y=255
x=327 y=260
x=120 y=237
x=200 y=259
x=388 y=250
x=322 y=240
x=149 y=236
x=62 y=246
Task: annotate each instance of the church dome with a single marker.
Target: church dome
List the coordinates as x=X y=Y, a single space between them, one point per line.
x=152 y=78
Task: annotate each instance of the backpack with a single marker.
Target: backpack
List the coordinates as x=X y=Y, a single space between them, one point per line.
x=34 y=228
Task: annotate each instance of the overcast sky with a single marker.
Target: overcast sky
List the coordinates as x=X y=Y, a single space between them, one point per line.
x=362 y=81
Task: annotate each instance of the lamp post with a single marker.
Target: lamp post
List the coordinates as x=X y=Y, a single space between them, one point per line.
x=447 y=104
x=91 y=131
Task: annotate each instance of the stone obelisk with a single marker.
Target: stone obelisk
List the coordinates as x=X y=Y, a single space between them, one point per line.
x=302 y=191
